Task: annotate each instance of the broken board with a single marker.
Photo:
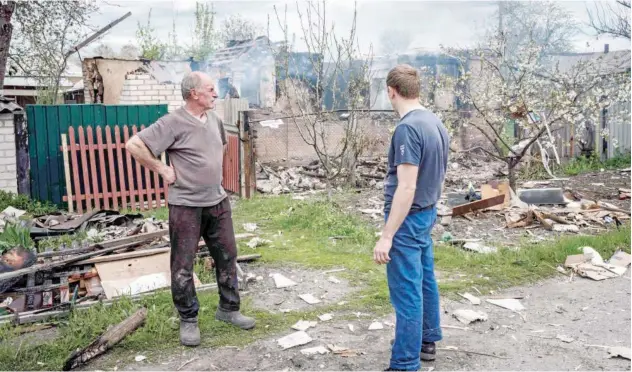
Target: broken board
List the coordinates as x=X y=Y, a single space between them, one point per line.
x=136 y=275
x=477 y=205
x=488 y=191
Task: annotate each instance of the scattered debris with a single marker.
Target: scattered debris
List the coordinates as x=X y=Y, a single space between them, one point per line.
x=140 y=358
x=454 y=348
x=334 y=280
x=351 y=327
x=257 y=242
x=473 y=299
x=295 y=339
x=281 y=281
x=624 y=194
x=107 y=340
x=565 y=228
x=479 y=248
x=315 y=350
x=343 y=351
x=507 y=303
x=325 y=317
x=304 y=325
x=591 y=265
x=309 y=298
x=187 y=363
x=376 y=326
x=467 y=316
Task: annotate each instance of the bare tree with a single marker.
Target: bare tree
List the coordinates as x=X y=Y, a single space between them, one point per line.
x=129 y=51
x=104 y=50
x=43 y=38
x=236 y=27
x=333 y=78
x=611 y=18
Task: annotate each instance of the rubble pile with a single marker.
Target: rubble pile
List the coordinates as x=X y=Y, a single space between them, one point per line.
x=282 y=180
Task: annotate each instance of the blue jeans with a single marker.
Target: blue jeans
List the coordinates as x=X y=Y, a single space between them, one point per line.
x=413 y=289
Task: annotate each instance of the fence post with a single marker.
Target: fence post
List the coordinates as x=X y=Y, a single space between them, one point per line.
x=22 y=154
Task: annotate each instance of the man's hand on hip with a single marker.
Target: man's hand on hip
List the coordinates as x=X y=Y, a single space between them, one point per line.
x=168 y=174
x=381 y=250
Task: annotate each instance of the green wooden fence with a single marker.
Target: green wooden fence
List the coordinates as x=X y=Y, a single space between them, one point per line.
x=46 y=124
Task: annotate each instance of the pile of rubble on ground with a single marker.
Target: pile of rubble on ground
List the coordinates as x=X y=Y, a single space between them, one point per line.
x=281 y=179
x=52 y=263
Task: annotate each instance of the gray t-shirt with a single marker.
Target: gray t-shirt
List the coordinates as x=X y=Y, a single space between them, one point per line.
x=420 y=139
x=196 y=151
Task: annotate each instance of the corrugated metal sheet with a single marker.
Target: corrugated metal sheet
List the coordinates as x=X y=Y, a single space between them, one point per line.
x=8 y=106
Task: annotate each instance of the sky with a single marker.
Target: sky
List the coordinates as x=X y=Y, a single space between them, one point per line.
x=430 y=24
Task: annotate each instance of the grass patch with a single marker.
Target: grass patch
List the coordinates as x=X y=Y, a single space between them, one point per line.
x=315 y=234
x=576 y=166
x=32 y=207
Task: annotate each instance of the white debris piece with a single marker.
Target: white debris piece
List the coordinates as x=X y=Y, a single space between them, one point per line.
x=250 y=227
x=507 y=303
x=479 y=248
x=565 y=338
x=473 y=299
x=257 y=242
x=294 y=339
x=325 y=317
x=351 y=327
x=376 y=326
x=315 y=350
x=12 y=212
x=558 y=227
x=309 y=298
x=334 y=280
x=281 y=281
x=140 y=358
x=467 y=316
x=303 y=325
x=274 y=124
x=623 y=352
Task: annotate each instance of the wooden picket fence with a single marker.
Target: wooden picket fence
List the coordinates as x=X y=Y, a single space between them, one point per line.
x=102 y=174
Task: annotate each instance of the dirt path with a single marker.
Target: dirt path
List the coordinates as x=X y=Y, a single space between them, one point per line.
x=589 y=312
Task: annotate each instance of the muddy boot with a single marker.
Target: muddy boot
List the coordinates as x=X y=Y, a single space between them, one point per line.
x=235 y=318
x=189 y=332
x=428 y=352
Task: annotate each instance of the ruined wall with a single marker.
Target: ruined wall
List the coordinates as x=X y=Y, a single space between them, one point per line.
x=8 y=173
x=143 y=89
x=283 y=143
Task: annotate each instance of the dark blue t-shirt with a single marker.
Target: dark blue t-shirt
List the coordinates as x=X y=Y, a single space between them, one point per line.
x=420 y=139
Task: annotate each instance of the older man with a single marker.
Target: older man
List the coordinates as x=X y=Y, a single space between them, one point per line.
x=194 y=139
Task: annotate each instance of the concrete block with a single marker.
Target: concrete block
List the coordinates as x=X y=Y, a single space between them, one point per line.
x=7 y=160
x=11 y=167
x=10 y=138
x=134 y=82
x=7 y=130
x=146 y=98
x=143 y=77
x=131 y=87
x=7 y=146
x=8 y=175
x=137 y=93
x=158 y=98
x=125 y=92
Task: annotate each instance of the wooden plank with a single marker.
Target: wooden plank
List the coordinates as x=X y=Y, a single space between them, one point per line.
x=130 y=171
x=75 y=168
x=139 y=179
x=93 y=167
x=477 y=205
x=84 y=165
x=124 y=256
x=112 y=166
x=147 y=183
x=120 y=166
x=136 y=275
x=64 y=144
x=104 y=179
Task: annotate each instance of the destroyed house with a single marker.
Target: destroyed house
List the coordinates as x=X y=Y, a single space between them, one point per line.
x=245 y=69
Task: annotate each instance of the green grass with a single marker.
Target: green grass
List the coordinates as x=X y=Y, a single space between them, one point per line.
x=306 y=229
x=577 y=166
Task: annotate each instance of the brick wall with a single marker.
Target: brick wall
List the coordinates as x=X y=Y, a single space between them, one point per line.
x=143 y=89
x=8 y=174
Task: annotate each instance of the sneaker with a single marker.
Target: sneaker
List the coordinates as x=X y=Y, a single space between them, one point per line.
x=189 y=332
x=235 y=318
x=428 y=351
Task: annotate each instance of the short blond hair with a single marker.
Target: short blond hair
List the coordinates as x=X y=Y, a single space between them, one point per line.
x=405 y=80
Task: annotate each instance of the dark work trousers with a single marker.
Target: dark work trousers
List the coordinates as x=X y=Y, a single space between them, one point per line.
x=215 y=225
